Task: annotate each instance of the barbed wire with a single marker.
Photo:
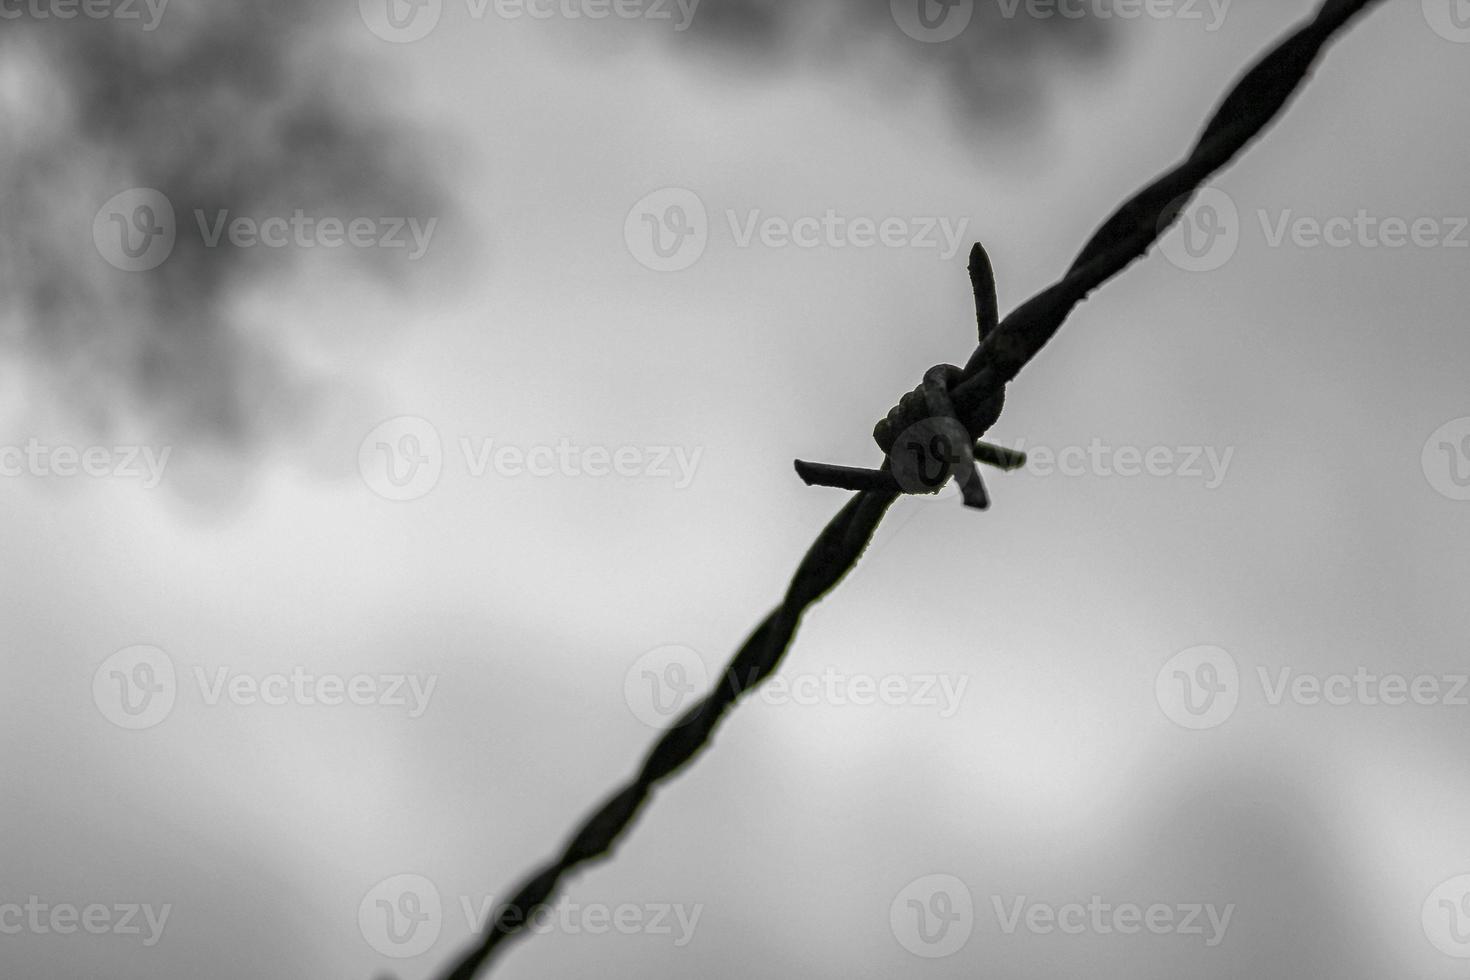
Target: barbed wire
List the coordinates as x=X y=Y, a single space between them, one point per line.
x=971 y=398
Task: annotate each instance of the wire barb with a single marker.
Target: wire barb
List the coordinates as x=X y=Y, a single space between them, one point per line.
x=1004 y=350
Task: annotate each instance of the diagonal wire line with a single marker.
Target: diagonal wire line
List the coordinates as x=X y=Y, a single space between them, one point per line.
x=1257 y=99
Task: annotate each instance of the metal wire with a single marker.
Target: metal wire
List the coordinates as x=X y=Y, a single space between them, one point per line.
x=1246 y=112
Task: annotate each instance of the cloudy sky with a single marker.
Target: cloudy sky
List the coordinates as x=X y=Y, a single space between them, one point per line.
x=397 y=419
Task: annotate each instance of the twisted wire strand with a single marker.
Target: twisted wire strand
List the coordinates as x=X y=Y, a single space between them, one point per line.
x=1257 y=99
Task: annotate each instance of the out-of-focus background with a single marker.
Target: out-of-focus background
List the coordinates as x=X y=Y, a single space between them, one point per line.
x=396 y=427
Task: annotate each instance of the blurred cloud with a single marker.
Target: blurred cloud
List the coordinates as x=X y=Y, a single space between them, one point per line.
x=222 y=109
x=996 y=66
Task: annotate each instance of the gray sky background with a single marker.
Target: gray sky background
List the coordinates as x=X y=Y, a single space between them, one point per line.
x=1325 y=548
